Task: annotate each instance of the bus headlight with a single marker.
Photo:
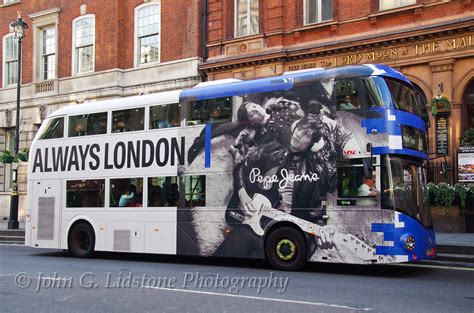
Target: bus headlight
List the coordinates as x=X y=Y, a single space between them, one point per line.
x=408 y=242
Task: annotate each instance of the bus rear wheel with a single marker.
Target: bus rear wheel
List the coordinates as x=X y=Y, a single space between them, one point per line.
x=285 y=249
x=81 y=240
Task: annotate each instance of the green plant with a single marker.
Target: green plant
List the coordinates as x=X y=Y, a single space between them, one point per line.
x=23 y=154
x=444 y=194
x=7 y=157
x=439 y=102
x=461 y=191
x=467 y=139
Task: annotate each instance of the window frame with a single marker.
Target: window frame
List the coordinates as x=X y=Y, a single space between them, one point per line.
x=194 y=177
x=319 y=13
x=398 y=4
x=8 y=2
x=44 y=127
x=44 y=55
x=75 y=49
x=110 y=190
x=249 y=19
x=136 y=53
x=104 y=199
x=112 y=127
x=4 y=74
x=149 y=113
x=346 y=163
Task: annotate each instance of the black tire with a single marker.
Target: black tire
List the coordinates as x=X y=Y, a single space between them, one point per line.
x=285 y=249
x=81 y=241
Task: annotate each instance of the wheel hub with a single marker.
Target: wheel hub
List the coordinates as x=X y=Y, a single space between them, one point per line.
x=286 y=249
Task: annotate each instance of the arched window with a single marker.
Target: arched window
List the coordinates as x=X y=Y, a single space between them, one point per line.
x=468 y=105
x=10 y=60
x=147 y=30
x=83 y=41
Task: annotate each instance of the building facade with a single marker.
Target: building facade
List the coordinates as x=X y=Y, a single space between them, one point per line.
x=431 y=42
x=82 y=51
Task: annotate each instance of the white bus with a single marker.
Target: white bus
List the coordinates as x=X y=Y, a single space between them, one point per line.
x=307 y=166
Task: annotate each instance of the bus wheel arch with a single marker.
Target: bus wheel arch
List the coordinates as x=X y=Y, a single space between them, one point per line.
x=285 y=246
x=81 y=239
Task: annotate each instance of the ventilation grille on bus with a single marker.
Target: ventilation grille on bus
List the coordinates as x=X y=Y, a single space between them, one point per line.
x=122 y=239
x=46 y=218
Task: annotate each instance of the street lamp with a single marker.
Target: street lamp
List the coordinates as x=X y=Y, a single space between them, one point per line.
x=19 y=28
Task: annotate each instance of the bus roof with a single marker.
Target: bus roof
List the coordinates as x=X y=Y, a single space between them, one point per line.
x=119 y=103
x=230 y=88
x=288 y=81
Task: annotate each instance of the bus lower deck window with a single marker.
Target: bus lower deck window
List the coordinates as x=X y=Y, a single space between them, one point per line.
x=85 y=193
x=126 y=192
x=163 y=191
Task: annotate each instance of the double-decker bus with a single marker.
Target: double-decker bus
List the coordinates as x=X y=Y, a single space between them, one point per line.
x=323 y=165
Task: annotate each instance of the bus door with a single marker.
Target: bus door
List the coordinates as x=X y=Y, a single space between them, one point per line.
x=45 y=213
x=358 y=198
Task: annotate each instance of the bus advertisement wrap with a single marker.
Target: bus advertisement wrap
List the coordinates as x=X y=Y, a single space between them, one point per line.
x=322 y=166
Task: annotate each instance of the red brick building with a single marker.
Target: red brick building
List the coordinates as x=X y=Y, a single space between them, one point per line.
x=79 y=51
x=431 y=42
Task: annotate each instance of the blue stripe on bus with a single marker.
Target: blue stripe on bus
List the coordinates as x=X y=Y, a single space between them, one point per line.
x=207 y=145
x=424 y=238
x=404 y=151
x=392 y=127
x=236 y=88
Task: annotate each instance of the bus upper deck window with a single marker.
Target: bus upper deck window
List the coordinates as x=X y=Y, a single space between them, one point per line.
x=128 y=120
x=403 y=96
x=54 y=129
x=164 y=116
x=88 y=124
x=209 y=111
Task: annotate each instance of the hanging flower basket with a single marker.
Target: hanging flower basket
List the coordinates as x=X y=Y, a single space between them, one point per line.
x=6 y=157
x=440 y=104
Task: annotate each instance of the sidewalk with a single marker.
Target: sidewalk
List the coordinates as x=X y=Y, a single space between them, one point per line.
x=455 y=247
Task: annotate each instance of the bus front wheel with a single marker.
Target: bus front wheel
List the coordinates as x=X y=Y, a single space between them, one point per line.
x=285 y=249
x=81 y=240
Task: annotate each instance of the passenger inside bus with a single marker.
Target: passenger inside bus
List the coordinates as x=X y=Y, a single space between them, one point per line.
x=121 y=127
x=127 y=196
x=79 y=131
x=367 y=188
x=347 y=104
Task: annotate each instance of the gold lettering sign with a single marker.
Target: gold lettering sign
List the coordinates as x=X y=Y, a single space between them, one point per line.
x=389 y=54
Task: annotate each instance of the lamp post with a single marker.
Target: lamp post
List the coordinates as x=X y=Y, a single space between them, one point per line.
x=19 y=28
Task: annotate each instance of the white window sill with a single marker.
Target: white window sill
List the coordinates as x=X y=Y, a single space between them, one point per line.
x=4 y=5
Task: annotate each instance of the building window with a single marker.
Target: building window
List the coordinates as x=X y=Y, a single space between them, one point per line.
x=246 y=16
x=10 y=1
x=391 y=4
x=48 y=53
x=85 y=193
x=84 y=37
x=126 y=192
x=148 y=33
x=11 y=60
x=316 y=11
